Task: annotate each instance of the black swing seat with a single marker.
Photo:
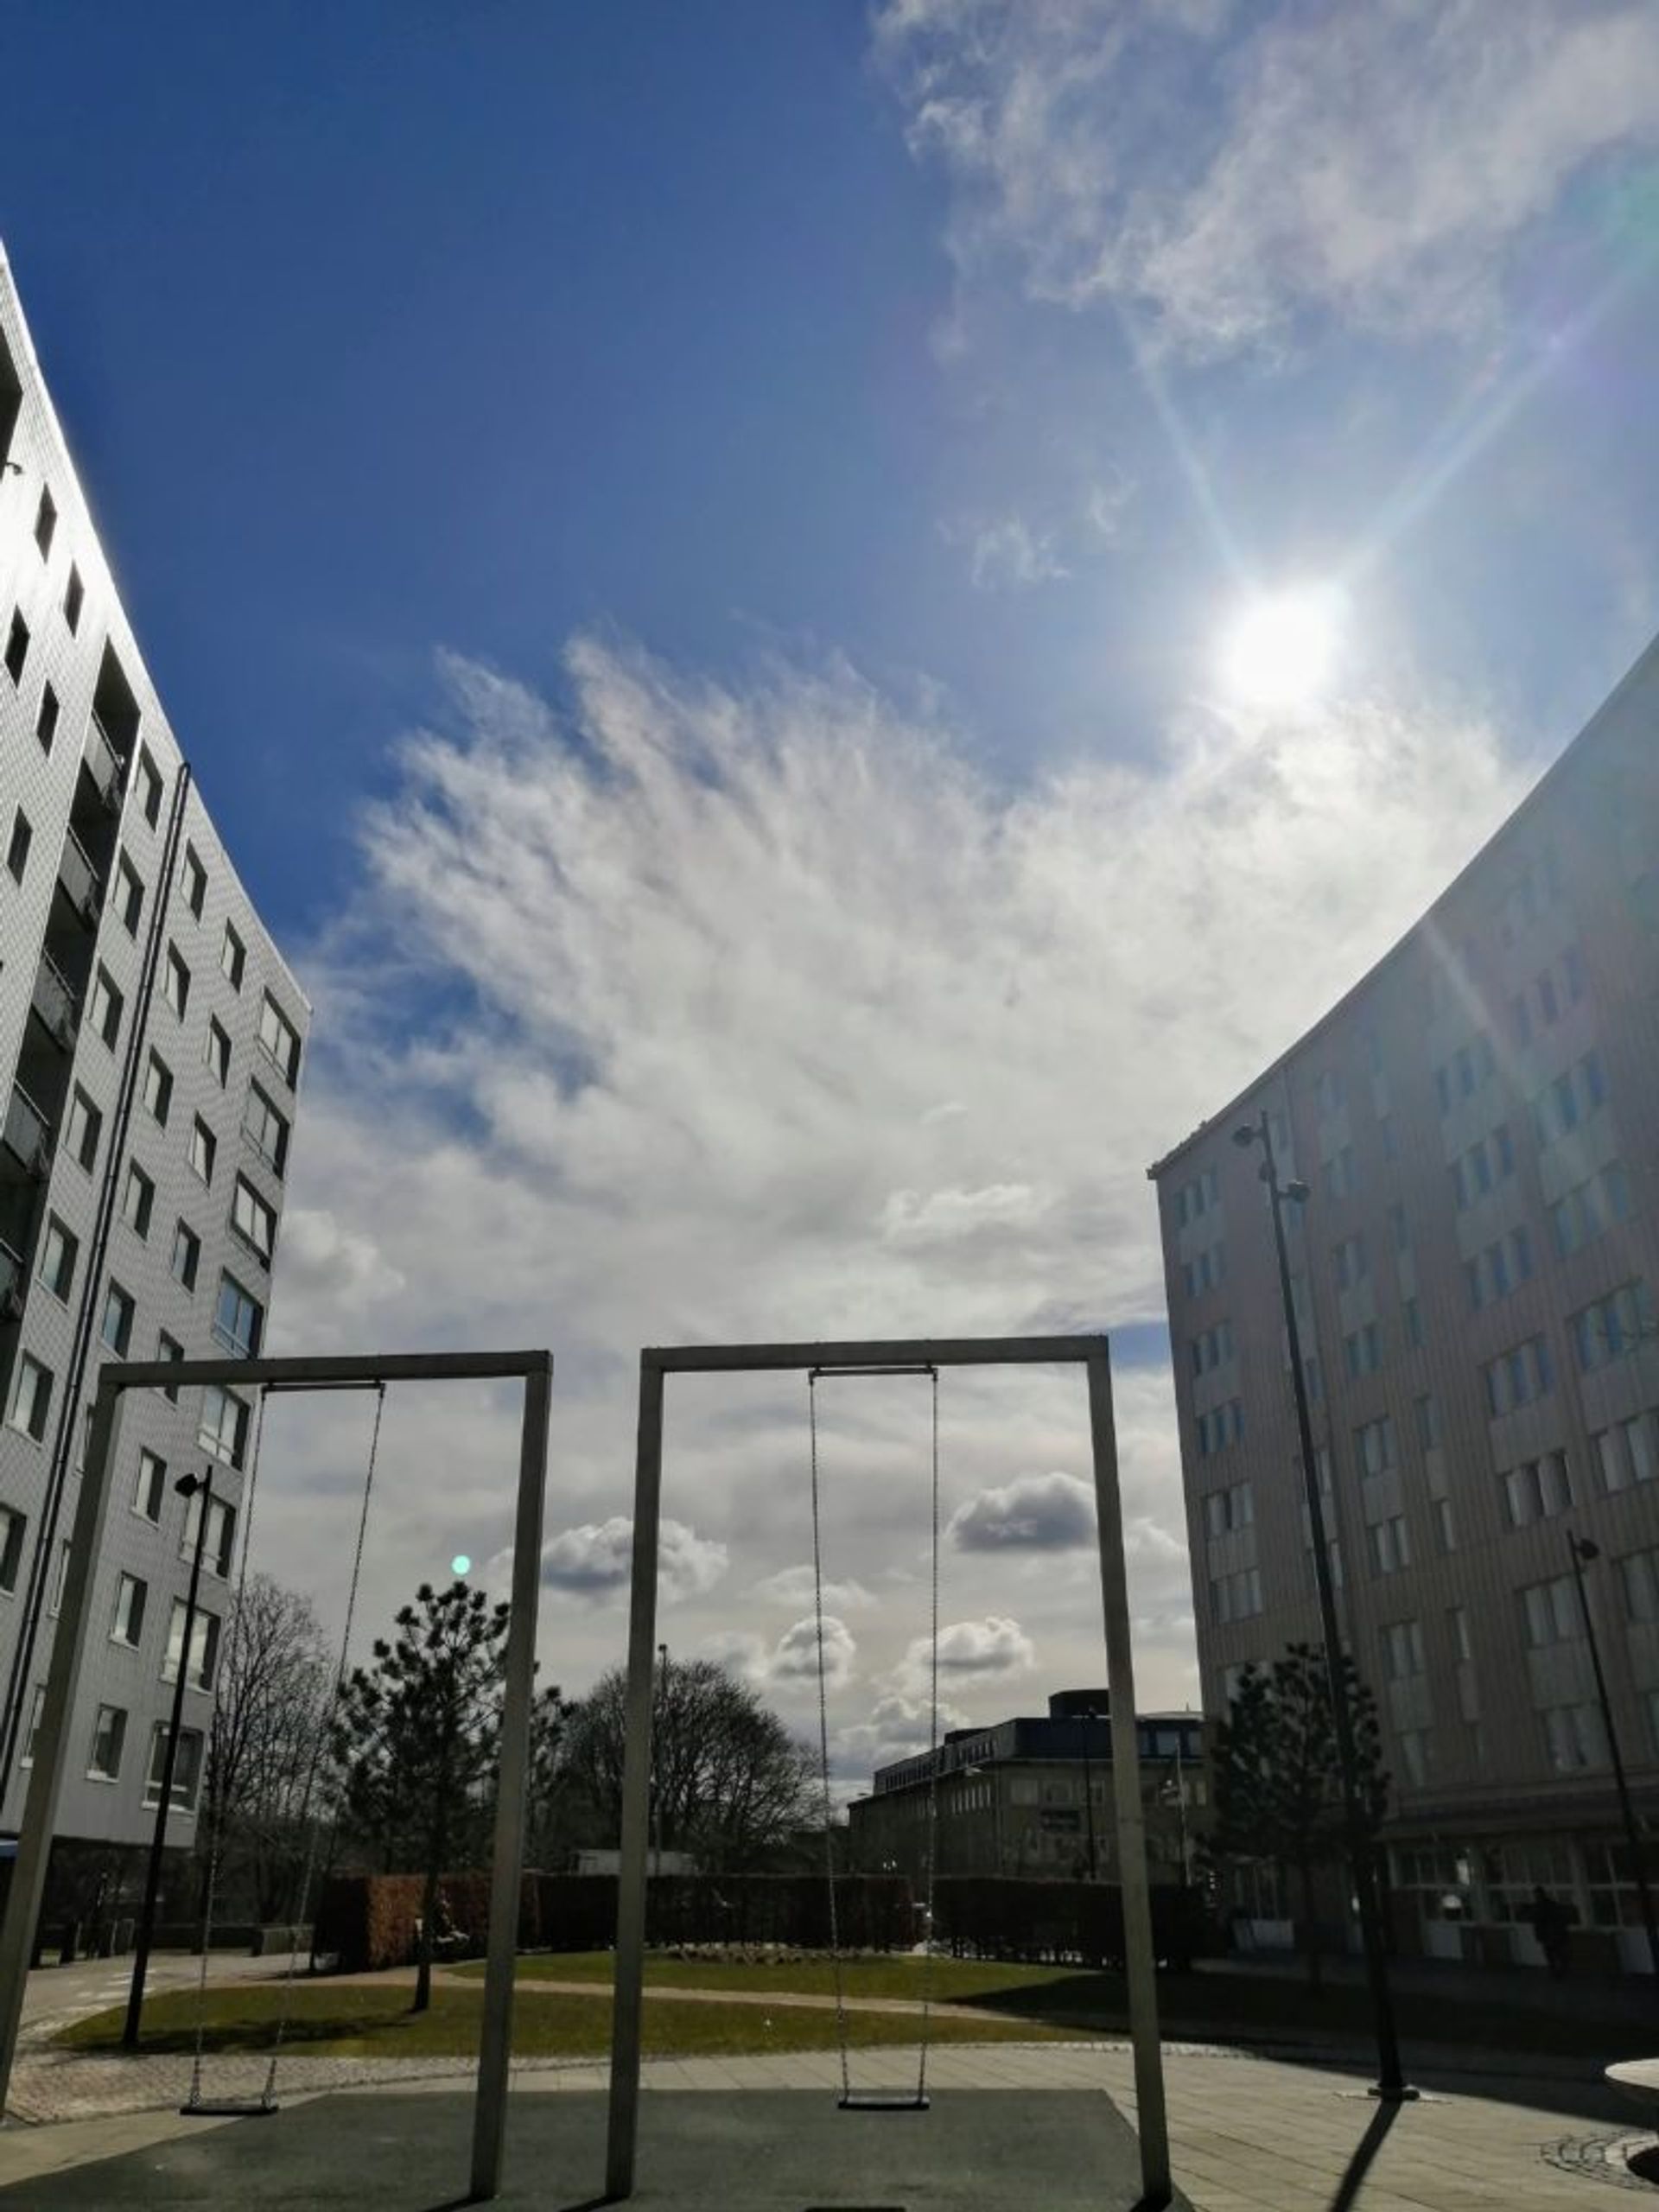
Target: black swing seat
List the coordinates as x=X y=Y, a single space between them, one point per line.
x=229 y=2108
x=882 y=2100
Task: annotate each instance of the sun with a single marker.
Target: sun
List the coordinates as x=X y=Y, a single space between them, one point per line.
x=1281 y=649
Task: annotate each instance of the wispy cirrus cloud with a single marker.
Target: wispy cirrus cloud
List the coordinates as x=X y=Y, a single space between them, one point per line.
x=1230 y=169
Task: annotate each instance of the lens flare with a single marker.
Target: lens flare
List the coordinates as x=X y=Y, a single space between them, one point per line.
x=460 y=1564
x=1281 y=649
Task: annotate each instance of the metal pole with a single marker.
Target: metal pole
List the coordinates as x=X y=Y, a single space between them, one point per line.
x=52 y=1739
x=1152 y=2123
x=1582 y=1550
x=512 y=1792
x=1391 y=2083
x=188 y=1487
x=657 y=1753
x=627 y=2018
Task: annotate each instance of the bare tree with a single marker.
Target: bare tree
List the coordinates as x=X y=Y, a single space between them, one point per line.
x=267 y=1732
x=728 y=1779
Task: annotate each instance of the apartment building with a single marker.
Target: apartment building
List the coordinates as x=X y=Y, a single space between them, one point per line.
x=151 y=1044
x=1033 y=1796
x=1474 y=1271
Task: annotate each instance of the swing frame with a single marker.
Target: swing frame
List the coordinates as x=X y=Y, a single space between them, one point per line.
x=115 y=1379
x=656 y=1364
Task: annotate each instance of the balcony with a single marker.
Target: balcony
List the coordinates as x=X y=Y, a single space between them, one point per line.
x=26 y=1134
x=13 y=1277
x=55 y=1001
x=106 y=767
x=82 y=884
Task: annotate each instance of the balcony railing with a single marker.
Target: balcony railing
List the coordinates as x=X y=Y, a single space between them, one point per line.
x=55 y=1001
x=107 y=768
x=12 y=1280
x=27 y=1133
x=79 y=877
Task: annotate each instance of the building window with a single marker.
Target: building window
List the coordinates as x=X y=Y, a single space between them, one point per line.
x=1427 y=1409
x=221 y=1534
x=138 y=1200
x=17 y=850
x=204 y=1149
x=158 y=1089
x=1341 y=1181
x=1550 y=1613
x=1193 y=1200
x=187 y=1254
x=238 y=1318
x=1211 y=1347
x=187 y=1769
x=224 y=1429
x=280 y=1039
x=1227 y=1509
x=45 y=524
x=151 y=1490
x=130 y=1593
x=1364 y=1351
x=74 y=598
x=1411 y=1314
x=37 y=1706
x=1537 y=1490
x=106 y=1007
x=59 y=1249
x=84 y=1129
x=232 y=958
x=1483 y=1167
x=169 y=1348
x=1374 y=1446
x=1570 y=1101
x=129 y=896
x=216 y=1051
x=12 y=1527
x=149 y=787
x=109 y=1734
x=1612 y=1327
x=31 y=1397
x=265 y=1129
x=1519 y=1378
x=1625 y=1452
x=253 y=1221
x=204 y=1646
x=1224 y=1426
x=1402 y=1650
x=1446 y=1530
x=1589 y=1211
x=1415 y=1756
x=1235 y=1597
x=177 y=986
x=16 y=646
x=1351 y=1263
x=46 y=721
x=1390 y=1545
x=192 y=879
x=1575 y=1739
x=117 y=1329
x=1639 y=1573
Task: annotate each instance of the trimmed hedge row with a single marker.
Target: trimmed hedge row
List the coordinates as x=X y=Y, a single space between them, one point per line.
x=366 y=1922
x=1000 y=1917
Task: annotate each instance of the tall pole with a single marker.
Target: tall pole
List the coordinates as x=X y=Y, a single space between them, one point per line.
x=187 y=1486
x=1391 y=2083
x=657 y=1753
x=1581 y=1548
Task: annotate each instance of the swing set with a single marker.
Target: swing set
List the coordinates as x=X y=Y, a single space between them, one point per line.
x=820 y=1363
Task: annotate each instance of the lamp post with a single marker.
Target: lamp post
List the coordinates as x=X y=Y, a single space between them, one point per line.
x=1390 y=2084
x=662 y=1688
x=187 y=1486
x=1583 y=1549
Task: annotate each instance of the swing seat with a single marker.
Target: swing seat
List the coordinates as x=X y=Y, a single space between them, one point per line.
x=882 y=2100
x=229 y=2108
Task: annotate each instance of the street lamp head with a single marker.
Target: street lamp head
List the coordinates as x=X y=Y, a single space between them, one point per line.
x=1246 y=1134
x=188 y=1485
x=1585 y=1547
x=1300 y=1192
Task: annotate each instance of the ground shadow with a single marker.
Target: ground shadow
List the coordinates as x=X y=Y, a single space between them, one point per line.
x=1365 y=2151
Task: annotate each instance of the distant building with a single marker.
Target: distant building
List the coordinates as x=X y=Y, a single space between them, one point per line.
x=1033 y=1796
x=150 y=1043
x=1478 y=1120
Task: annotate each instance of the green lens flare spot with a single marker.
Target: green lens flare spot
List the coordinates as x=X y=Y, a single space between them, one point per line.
x=460 y=1564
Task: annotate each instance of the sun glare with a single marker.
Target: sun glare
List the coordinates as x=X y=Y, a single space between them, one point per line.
x=1281 y=650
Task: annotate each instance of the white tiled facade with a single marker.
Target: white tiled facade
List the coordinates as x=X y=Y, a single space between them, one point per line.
x=1476 y=1271
x=127 y=905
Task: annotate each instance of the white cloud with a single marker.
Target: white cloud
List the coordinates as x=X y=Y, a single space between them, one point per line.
x=1230 y=169
x=897 y=1727
x=970 y=1652
x=1049 y=1513
x=596 y=1558
x=764 y=1016
x=791 y=1663
x=792 y=1586
x=1008 y=553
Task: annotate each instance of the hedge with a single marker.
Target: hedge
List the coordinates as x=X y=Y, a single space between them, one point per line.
x=1001 y=1917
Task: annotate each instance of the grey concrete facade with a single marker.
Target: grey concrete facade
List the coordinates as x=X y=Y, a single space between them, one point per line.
x=151 y=1044
x=1473 y=1270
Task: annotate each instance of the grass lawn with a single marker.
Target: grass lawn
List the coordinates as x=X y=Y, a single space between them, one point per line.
x=358 y=2020
x=895 y=1974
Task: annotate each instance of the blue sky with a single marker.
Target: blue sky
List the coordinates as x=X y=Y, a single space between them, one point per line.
x=797 y=469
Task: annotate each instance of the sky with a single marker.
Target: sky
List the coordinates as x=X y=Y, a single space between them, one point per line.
x=698 y=556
